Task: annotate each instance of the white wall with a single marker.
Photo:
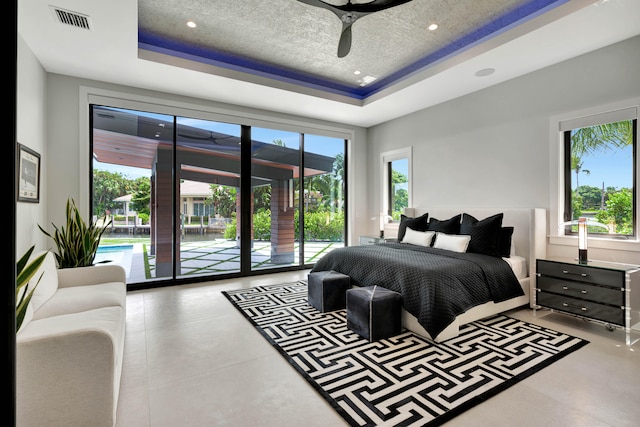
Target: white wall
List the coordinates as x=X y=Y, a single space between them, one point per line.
x=492 y=148
x=30 y=125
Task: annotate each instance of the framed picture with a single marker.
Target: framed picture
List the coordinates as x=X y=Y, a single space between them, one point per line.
x=28 y=175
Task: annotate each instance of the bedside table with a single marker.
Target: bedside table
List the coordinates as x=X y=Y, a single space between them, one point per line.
x=372 y=240
x=599 y=291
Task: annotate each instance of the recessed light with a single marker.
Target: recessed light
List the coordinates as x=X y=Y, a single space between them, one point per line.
x=356 y=72
x=433 y=27
x=485 y=72
x=191 y=24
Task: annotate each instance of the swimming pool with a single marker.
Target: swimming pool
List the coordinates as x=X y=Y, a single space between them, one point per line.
x=115 y=254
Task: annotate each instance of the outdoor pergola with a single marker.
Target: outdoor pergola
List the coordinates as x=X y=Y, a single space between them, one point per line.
x=142 y=141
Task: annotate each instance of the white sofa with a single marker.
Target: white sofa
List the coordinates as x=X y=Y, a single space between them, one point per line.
x=70 y=346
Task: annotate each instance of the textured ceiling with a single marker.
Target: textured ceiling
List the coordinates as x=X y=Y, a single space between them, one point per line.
x=288 y=40
x=287 y=35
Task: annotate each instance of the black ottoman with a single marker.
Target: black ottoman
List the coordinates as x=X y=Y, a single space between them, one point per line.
x=327 y=290
x=374 y=313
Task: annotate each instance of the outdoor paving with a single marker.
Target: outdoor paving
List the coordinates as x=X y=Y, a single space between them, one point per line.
x=216 y=257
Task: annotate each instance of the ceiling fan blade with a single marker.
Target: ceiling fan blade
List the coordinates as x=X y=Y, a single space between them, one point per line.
x=348 y=13
x=374 y=6
x=344 y=45
x=321 y=4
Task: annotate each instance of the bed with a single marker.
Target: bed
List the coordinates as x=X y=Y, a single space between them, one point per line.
x=445 y=287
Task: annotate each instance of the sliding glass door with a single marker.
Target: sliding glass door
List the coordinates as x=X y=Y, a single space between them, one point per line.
x=191 y=198
x=275 y=166
x=208 y=182
x=324 y=193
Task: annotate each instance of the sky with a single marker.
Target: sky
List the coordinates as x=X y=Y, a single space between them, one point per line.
x=614 y=168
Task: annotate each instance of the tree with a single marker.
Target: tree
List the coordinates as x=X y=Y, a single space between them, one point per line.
x=329 y=185
x=400 y=196
x=262 y=198
x=107 y=186
x=619 y=210
x=591 y=197
x=597 y=139
x=223 y=199
x=141 y=199
x=591 y=139
x=576 y=165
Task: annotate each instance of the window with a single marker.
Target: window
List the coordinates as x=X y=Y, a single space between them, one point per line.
x=599 y=172
x=396 y=184
x=215 y=198
x=588 y=148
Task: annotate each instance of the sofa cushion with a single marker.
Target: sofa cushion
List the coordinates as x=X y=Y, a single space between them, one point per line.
x=82 y=298
x=48 y=284
x=68 y=369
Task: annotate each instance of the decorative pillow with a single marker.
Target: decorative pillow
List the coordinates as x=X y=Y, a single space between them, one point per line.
x=447 y=226
x=485 y=234
x=421 y=238
x=504 y=243
x=452 y=242
x=418 y=224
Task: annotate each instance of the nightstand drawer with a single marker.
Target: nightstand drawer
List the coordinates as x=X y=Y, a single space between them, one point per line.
x=581 y=273
x=604 y=295
x=605 y=313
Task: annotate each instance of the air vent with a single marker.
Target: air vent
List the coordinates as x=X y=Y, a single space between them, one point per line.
x=74 y=19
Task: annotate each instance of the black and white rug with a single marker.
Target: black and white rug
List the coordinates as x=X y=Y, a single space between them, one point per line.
x=405 y=380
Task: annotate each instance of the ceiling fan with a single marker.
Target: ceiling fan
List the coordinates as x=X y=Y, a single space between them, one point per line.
x=349 y=13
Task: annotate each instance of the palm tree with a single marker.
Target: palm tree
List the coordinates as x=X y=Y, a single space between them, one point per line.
x=606 y=136
x=592 y=139
x=576 y=165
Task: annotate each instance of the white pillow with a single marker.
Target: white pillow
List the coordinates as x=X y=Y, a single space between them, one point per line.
x=452 y=242
x=421 y=238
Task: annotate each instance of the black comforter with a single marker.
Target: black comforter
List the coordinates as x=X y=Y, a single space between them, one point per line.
x=436 y=285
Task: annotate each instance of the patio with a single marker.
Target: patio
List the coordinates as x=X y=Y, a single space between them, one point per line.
x=206 y=257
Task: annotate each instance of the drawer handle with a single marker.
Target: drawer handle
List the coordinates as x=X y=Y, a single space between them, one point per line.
x=565 y=304
x=582 y=291
x=575 y=274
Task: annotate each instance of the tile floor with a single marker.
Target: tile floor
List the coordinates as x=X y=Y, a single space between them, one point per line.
x=191 y=359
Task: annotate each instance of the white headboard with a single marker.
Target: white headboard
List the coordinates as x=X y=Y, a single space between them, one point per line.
x=529 y=228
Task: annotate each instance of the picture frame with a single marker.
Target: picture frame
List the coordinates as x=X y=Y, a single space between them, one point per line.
x=28 y=171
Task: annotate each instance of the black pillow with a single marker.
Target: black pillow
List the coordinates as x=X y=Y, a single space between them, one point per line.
x=504 y=243
x=447 y=226
x=418 y=224
x=485 y=234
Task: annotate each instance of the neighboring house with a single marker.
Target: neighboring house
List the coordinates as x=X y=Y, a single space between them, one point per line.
x=193 y=196
x=126 y=201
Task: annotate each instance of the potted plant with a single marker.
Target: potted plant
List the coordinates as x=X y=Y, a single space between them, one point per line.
x=25 y=270
x=78 y=242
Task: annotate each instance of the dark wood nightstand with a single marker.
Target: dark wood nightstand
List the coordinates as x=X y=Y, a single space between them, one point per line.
x=599 y=291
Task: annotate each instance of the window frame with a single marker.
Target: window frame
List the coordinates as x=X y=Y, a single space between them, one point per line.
x=386 y=159
x=558 y=179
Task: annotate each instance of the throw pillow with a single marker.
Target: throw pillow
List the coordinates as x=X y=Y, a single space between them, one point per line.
x=421 y=238
x=452 y=242
x=485 y=234
x=419 y=224
x=504 y=244
x=447 y=226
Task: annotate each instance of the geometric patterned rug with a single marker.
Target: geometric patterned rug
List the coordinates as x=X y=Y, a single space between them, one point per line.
x=405 y=380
